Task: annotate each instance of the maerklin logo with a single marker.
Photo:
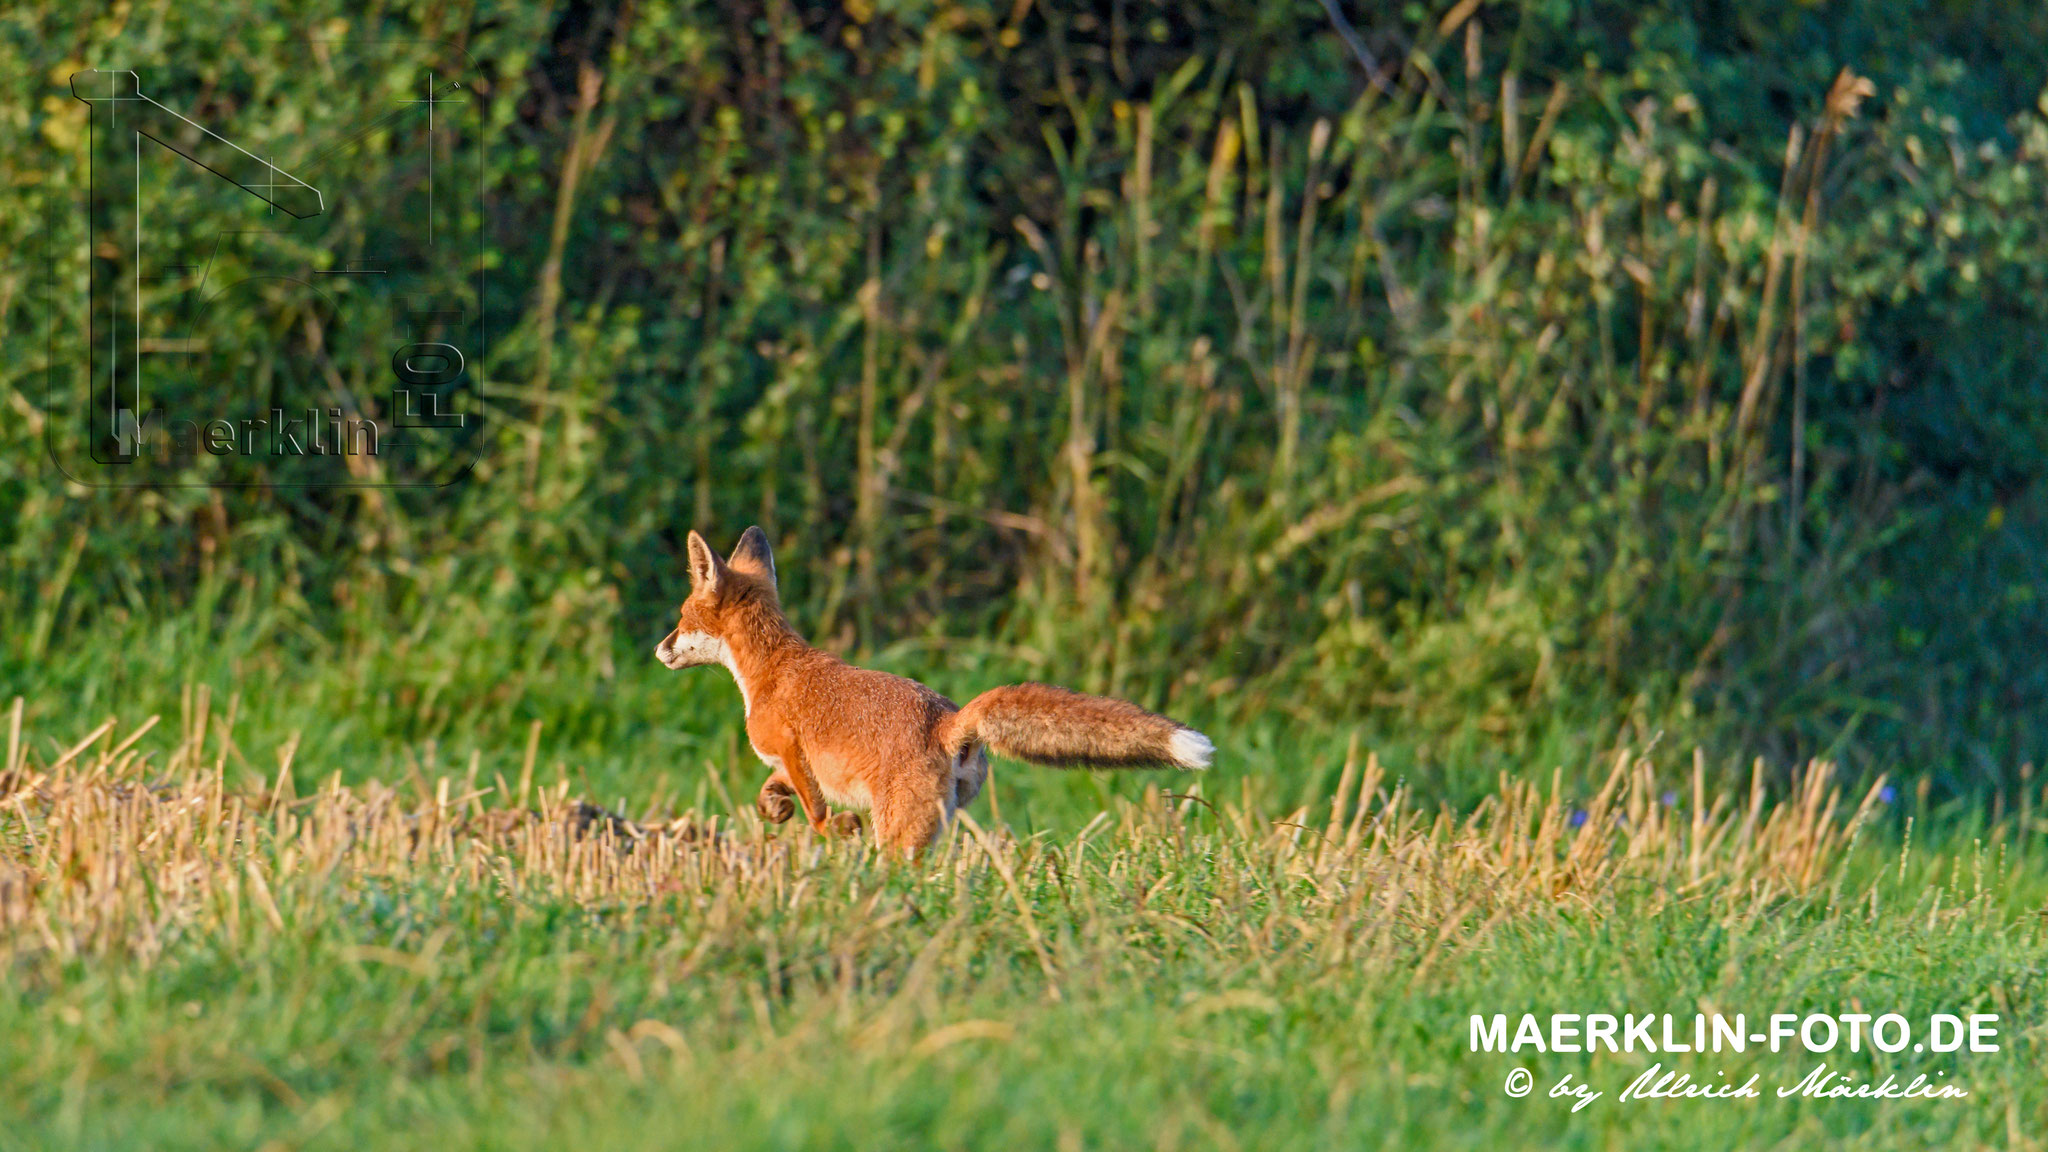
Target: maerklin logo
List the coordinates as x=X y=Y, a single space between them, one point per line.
x=249 y=244
x=315 y=432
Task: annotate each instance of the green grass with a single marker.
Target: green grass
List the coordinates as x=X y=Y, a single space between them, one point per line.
x=1590 y=380
x=1230 y=973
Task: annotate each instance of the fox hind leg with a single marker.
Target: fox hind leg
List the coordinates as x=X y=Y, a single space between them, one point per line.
x=908 y=819
x=970 y=772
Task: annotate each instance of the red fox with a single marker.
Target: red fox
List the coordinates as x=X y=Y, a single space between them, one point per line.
x=866 y=739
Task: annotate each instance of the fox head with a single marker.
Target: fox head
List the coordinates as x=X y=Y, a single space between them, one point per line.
x=720 y=591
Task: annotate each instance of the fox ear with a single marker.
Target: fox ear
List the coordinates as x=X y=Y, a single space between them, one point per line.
x=753 y=556
x=704 y=565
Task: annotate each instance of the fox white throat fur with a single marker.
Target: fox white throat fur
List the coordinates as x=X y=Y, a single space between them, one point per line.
x=860 y=738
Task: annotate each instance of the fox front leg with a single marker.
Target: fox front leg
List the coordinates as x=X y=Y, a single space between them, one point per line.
x=792 y=784
x=823 y=821
x=777 y=801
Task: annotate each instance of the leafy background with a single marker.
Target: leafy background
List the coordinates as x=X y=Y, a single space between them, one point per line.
x=1499 y=380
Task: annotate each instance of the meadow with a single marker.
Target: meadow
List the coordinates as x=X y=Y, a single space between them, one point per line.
x=1577 y=460
x=217 y=939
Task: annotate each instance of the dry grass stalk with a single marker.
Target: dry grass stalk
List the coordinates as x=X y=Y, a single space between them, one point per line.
x=100 y=855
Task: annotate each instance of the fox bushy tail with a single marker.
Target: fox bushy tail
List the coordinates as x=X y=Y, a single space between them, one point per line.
x=1059 y=728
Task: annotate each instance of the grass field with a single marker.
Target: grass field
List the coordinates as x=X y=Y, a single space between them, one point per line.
x=214 y=940
x=1458 y=410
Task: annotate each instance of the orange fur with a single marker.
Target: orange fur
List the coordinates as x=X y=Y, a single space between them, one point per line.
x=858 y=738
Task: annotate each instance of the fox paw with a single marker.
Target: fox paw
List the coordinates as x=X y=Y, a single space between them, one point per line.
x=776 y=803
x=843 y=824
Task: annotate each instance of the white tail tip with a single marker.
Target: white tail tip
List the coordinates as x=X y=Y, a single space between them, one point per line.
x=1190 y=749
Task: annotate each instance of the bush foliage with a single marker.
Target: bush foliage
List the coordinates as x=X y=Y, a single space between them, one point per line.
x=1435 y=368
